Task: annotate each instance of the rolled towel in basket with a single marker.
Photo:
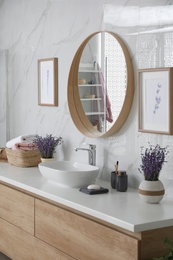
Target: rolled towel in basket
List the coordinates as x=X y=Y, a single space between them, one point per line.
x=24 y=146
x=20 y=139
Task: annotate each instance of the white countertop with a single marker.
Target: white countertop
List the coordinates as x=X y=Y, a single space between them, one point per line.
x=123 y=209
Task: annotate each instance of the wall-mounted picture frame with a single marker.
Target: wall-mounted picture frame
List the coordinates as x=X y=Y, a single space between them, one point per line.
x=48 y=82
x=155 y=100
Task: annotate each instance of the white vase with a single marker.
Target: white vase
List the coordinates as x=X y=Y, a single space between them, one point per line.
x=47 y=159
x=151 y=191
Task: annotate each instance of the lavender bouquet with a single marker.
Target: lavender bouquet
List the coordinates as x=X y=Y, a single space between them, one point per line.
x=46 y=145
x=153 y=159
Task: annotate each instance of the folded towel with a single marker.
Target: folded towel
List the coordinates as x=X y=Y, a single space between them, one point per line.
x=24 y=146
x=20 y=139
x=93 y=192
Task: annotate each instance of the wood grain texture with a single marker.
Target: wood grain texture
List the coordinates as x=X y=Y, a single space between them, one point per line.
x=17 y=208
x=152 y=244
x=80 y=237
x=20 y=245
x=14 y=242
x=63 y=234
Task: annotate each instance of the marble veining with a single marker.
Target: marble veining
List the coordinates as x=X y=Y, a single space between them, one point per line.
x=32 y=30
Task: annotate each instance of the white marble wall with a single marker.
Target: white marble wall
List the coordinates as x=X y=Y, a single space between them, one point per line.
x=36 y=29
x=3 y=97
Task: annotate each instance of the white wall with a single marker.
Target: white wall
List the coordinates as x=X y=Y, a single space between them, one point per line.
x=3 y=97
x=36 y=29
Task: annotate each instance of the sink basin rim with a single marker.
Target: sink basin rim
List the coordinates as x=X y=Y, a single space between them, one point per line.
x=75 y=165
x=69 y=176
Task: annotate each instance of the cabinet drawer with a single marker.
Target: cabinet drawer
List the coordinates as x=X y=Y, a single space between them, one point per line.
x=81 y=237
x=17 y=208
x=14 y=242
x=21 y=245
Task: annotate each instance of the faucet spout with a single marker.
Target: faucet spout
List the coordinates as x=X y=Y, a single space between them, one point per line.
x=82 y=149
x=91 y=153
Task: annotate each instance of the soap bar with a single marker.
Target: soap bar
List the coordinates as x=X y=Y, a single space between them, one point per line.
x=93 y=187
x=93 y=192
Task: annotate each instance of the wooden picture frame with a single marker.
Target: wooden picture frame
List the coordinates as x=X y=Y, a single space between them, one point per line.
x=155 y=100
x=48 y=82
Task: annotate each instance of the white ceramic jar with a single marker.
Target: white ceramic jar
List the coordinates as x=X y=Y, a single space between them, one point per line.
x=151 y=191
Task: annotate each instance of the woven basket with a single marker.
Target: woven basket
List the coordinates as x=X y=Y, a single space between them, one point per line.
x=3 y=155
x=23 y=158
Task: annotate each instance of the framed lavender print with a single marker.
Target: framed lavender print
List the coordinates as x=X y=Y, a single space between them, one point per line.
x=155 y=100
x=48 y=82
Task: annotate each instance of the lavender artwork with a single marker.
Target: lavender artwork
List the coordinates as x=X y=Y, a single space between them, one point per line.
x=157 y=98
x=155 y=101
x=156 y=104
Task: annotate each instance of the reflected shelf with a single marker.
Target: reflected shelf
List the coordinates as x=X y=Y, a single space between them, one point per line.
x=90 y=99
x=94 y=113
x=89 y=85
x=92 y=71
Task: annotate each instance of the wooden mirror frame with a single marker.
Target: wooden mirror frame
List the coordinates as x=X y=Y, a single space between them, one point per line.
x=75 y=106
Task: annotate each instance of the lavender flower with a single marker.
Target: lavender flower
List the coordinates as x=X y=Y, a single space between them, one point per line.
x=152 y=161
x=46 y=145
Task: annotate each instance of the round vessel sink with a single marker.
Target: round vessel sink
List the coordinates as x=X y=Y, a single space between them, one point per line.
x=69 y=174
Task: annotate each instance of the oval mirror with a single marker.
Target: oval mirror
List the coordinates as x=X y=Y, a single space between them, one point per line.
x=100 y=85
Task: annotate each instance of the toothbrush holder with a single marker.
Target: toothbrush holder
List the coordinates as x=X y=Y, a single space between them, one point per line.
x=113 y=179
x=119 y=181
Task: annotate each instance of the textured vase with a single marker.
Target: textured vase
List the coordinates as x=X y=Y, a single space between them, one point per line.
x=151 y=191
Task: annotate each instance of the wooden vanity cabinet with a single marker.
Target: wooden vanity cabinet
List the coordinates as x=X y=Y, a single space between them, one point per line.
x=81 y=237
x=17 y=228
x=20 y=245
x=17 y=208
x=32 y=227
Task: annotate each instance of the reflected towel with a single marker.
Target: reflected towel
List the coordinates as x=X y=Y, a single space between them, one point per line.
x=103 y=91
x=21 y=139
x=24 y=146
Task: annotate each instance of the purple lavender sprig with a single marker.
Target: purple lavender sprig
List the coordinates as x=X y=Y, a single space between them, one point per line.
x=152 y=161
x=46 y=145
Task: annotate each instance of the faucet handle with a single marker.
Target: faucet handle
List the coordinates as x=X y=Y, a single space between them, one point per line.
x=91 y=146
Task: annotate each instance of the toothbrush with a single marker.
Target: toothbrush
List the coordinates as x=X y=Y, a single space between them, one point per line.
x=116 y=167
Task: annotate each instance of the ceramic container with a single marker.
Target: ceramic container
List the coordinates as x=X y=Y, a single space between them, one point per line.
x=151 y=191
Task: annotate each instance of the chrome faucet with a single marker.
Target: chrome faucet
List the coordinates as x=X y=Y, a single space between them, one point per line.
x=91 y=153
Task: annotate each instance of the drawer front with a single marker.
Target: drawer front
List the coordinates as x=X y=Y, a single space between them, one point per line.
x=20 y=245
x=15 y=243
x=17 y=208
x=81 y=237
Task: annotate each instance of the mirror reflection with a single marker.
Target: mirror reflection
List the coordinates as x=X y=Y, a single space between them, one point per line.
x=102 y=80
x=101 y=85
